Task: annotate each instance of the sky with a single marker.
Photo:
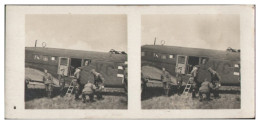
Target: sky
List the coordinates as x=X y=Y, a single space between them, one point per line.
x=79 y=32
x=197 y=31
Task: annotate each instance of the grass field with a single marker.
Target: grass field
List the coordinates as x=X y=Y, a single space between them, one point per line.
x=155 y=99
x=110 y=102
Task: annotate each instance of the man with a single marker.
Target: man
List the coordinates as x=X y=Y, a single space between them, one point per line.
x=126 y=78
x=144 y=81
x=48 y=80
x=99 y=83
x=89 y=90
x=203 y=72
x=195 y=83
x=179 y=83
x=166 y=79
x=80 y=86
x=62 y=83
x=205 y=88
x=216 y=81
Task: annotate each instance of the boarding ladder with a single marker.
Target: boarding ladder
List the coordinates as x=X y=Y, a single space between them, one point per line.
x=188 y=86
x=71 y=88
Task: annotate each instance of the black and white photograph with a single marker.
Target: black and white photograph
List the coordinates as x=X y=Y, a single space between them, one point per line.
x=129 y=62
x=190 y=61
x=75 y=61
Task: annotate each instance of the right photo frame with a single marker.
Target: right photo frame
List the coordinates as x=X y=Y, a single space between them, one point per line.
x=190 y=61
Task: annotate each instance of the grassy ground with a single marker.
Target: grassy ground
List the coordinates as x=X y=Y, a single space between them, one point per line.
x=155 y=99
x=110 y=102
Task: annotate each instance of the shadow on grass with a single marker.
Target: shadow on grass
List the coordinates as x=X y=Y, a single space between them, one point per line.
x=31 y=94
x=151 y=92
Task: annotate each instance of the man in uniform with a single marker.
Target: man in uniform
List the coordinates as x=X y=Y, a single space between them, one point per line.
x=80 y=86
x=166 y=79
x=62 y=83
x=195 y=84
x=205 y=88
x=179 y=83
x=89 y=90
x=126 y=78
x=144 y=81
x=216 y=81
x=99 y=83
x=48 y=80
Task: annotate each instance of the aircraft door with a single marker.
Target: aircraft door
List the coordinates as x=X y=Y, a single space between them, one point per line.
x=63 y=65
x=181 y=64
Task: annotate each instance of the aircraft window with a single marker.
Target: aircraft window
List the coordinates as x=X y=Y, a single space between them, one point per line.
x=155 y=55
x=143 y=53
x=37 y=57
x=53 y=58
x=64 y=61
x=45 y=58
x=171 y=57
x=163 y=56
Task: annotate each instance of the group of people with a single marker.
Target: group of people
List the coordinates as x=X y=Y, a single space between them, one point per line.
x=89 y=89
x=205 y=81
x=203 y=78
x=81 y=88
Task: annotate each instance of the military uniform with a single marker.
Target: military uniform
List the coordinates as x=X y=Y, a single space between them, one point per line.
x=216 y=83
x=62 y=84
x=143 y=85
x=166 y=79
x=89 y=90
x=79 y=86
x=47 y=79
x=99 y=83
x=179 y=83
x=193 y=80
x=205 y=88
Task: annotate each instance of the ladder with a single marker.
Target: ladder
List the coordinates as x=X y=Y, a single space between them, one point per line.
x=70 y=89
x=188 y=86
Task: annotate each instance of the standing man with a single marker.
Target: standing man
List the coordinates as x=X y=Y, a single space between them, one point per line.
x=203 y=72
x=166 y=79
x=195 y=83
x=80 y=86
x=179 y=83
x=62 y=83
x=48 y=80
x=216 y=81
x=99 y=83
